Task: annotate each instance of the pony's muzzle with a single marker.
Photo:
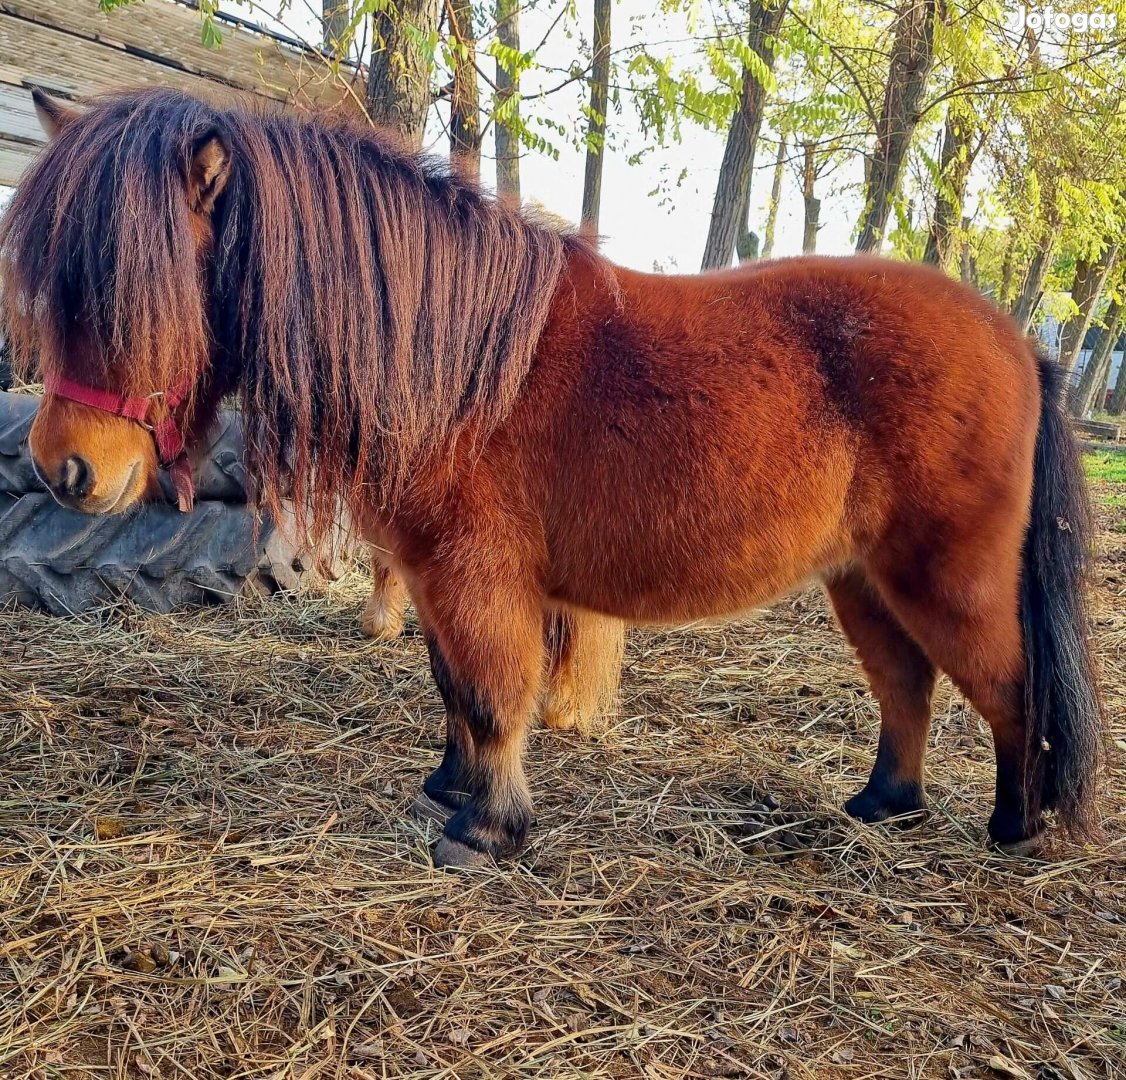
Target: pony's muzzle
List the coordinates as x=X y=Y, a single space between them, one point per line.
x=90 y=461
x=73 y=486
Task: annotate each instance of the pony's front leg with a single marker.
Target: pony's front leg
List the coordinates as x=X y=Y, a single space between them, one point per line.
x=486 y=656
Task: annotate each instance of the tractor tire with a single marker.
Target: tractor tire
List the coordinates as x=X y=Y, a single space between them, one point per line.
x=161 y=559
x=67 y=563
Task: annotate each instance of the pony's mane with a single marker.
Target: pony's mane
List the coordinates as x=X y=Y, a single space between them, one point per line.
x=371 y=304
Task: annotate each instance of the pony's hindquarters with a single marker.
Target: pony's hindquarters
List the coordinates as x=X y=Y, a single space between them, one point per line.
x=1063 y=710
x=584 y=656
x=987 y=584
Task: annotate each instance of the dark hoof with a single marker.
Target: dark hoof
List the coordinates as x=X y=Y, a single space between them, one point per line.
x=427 y=809
x=1029 y=848
x=1012 y=835
x=491 y=837
x=454 y=855
x=884 y=802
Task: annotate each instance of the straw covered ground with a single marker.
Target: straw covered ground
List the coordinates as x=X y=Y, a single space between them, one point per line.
x=207 y=868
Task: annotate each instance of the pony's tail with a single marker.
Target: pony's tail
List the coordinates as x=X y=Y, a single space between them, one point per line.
x=1063 y=709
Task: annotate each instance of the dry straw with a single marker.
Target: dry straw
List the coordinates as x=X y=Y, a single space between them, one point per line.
x=207 y=871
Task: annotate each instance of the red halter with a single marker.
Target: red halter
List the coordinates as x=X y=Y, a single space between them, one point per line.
x=165 y=433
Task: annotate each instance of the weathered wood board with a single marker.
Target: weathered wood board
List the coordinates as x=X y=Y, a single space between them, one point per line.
x=1097 y=429
x=72 y=48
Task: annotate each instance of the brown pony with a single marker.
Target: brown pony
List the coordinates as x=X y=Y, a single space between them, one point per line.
x=530 y=429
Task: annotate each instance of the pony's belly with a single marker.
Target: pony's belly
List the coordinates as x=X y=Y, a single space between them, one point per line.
x=714 y=501
x=702 y=581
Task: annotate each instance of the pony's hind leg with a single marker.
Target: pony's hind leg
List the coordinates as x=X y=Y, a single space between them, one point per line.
x=384 y=612
x=970 y=627
x=584 y=669
x=902 y=679
x=486 y=653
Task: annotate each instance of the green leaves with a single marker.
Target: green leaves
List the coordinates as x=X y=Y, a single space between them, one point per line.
x=752 y=62
x=512 y=60
x=210 y=34
x=209 y=31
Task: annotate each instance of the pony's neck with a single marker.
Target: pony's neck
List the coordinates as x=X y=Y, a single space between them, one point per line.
x=376 y=304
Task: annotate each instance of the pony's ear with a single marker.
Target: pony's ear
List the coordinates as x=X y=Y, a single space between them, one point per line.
x=53 y=115
x=207 y=172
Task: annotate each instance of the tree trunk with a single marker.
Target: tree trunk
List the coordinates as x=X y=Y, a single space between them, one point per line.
x=812 y=203
x=1118 y=398
x=1033 y=287
x=732 y=195
x=775 y=199
x=969 y=263
x=335 y=18
x=1091 y=390
x=465 y=103
x=398 y=90
x=955 y=163
x=1090 y=278
x=1007 y=270
x=596 y=123
x=508 y=104
x=912 y=57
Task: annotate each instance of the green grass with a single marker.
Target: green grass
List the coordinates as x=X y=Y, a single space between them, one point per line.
x=1106 y=473
x=1105 y=466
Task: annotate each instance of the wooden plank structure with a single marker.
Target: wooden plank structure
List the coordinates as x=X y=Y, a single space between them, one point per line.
x=1098 y=429
x=72 y=49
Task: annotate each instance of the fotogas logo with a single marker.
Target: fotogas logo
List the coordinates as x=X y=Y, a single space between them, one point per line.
x=1049 y=19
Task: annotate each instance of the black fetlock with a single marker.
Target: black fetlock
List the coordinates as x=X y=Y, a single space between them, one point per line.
x=883 y=798
x=444 y=792
x=890 y=791
x=446 y=788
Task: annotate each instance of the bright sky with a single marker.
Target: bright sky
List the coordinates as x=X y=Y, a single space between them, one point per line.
x=639 y=228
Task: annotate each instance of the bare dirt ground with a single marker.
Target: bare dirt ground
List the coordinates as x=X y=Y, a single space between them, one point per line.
x=206 y=868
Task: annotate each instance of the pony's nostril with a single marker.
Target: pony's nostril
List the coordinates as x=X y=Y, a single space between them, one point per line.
x=77 y=477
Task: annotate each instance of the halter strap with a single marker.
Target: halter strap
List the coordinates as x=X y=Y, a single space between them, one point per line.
x=166 y=432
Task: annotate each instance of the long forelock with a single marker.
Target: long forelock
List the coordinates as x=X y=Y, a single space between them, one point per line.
x=376 y=306
x=99 y=269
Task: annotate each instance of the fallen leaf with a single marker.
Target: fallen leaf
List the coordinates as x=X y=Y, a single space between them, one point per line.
x=850 y=951
x=1001 y=1064
x=369 y=1051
